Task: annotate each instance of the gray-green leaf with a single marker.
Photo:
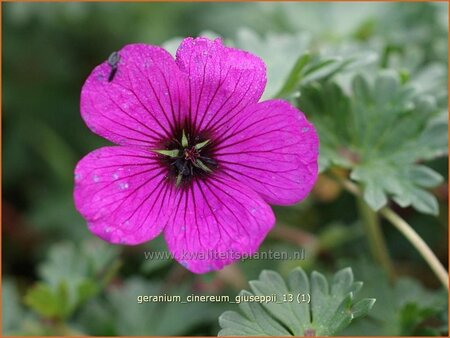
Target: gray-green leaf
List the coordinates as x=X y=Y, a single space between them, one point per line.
x=302 y=307
x=380 y=131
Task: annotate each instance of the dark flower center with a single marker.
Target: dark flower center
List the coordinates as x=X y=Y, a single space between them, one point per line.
x=188 y=157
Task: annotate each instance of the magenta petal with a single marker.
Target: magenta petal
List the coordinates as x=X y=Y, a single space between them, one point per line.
x=140 y=105
x=215 y=223
x=122 y=193
x=222 y=80
x=273 y=149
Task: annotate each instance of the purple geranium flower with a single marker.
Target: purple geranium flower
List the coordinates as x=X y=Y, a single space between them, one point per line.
x=198 y=158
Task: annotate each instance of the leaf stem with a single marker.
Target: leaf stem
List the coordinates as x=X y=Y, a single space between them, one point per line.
x=375 y=236
x=407 y=231
x=418 y=243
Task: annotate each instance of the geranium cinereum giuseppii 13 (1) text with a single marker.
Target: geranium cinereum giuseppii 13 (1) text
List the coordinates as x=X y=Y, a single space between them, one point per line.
x=197 y=158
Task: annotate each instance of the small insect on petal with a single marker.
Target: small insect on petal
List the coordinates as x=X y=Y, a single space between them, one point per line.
x=201 y=144
x=170 y=153
x=113 y=62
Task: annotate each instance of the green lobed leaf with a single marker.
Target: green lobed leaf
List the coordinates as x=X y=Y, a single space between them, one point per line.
x=258 y=316
x=48 y=302
x=329 y=311
x=70 y=276
x=380 y=130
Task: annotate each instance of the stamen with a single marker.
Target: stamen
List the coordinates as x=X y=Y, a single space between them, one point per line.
x=201 y=144
x=170 y=153
x=184 y=140
x=201 y=165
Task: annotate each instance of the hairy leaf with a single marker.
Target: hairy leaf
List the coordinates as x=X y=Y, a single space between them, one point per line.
x=380 y=131
x=70 y=276
x=301 y=307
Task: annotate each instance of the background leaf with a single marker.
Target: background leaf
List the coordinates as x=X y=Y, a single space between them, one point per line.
x=379 y=131
x=406 y=305
x=70 y=276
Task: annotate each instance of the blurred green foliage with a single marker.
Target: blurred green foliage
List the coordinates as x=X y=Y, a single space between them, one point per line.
x=384 y=64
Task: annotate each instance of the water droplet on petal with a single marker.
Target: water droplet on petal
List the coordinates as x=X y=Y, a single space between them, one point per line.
x=77 y=177
x=115 y=176
x=123 y=185
x=305 y=129
x=95 y=178
x=108 y=229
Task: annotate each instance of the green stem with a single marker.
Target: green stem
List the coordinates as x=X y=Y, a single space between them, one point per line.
x=418 y=243
x=407 y=231
x=375 y=236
